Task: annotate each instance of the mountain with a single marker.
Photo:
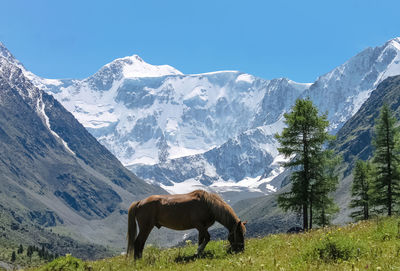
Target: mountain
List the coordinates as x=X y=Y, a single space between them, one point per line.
x=206 y=130
x=144 y=120
x=54 y=173
x=340 y=93
x=236 y=169
x=353 y=142
x=354 y=139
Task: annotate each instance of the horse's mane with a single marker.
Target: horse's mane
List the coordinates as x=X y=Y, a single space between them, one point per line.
x=222 y=212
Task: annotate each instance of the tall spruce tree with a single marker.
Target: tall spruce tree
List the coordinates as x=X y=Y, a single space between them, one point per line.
x=302 y=141
x=361 y=190
x=325 y=183
x=386 y=183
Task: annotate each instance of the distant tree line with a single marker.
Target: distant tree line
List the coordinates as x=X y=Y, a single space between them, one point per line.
x=42 y=252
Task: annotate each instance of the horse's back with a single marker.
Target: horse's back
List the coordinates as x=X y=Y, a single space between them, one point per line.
x=179 y=212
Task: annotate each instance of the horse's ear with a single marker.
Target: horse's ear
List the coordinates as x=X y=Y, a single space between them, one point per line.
x=244 y=222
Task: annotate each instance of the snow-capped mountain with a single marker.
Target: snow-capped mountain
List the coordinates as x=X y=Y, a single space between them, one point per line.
x=149 y=115
x=342 y=91
x=210 y=130
x=238 y=167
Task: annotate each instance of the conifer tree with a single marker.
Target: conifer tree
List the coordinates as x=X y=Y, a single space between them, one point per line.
x=361 y=190
x=322 y=187
x=29 y=251
x=13 y=256
x=20 y=249
x=386 y=183
x=303 y=141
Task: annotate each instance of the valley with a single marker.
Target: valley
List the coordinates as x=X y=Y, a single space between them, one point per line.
x=74 y=153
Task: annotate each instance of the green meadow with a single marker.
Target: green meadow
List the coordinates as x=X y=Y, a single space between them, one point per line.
x=367 y=245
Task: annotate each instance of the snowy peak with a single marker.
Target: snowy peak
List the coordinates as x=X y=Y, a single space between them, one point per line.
x=394 y=42
x=135 y=67
x=343 y=90
x=37 y=81
x=130 y=67
x=5 y=53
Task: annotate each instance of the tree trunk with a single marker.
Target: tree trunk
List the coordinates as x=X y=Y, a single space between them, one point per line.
x=311 y=212
x=365 y=198
x=305 y=217
x=389 y=169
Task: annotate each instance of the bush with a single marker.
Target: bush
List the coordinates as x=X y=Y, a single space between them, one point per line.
x=335 y=248
x=67 y=263
x=333 y=251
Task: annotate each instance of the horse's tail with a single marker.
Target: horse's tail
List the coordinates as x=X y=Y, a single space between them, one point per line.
x=131 y=235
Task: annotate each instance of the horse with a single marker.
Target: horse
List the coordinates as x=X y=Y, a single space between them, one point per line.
x=195 y=210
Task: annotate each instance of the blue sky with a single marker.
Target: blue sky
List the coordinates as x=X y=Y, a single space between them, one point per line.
x=296 y=39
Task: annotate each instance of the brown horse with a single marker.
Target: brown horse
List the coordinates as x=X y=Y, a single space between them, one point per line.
x=198 y=209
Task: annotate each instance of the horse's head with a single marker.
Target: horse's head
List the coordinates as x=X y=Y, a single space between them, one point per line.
x=236 y=237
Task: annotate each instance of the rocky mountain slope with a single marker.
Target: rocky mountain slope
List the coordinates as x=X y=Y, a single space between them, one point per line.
x=53 y=172
x=354 y=139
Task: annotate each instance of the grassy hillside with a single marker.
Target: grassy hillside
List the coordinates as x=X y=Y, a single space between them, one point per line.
x=15 y=230
x=370 y=245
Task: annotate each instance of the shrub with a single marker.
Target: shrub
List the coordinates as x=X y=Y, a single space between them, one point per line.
x=67 y=263
x=335 y=248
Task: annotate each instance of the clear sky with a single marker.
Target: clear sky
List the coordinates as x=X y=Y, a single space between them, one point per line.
x=296 y=39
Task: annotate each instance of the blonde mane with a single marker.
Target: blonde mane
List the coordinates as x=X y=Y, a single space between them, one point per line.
x=222 y=212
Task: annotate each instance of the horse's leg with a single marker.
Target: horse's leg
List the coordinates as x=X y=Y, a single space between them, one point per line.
x=201 y=237
x=141 y=239
x=204 y=238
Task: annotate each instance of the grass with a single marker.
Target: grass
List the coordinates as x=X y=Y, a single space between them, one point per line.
x=367 y=245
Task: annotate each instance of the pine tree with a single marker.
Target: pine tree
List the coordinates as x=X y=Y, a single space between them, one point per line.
x=322 y=187
x=303 y=141
x=386 y=157
x=41 y=252
x=13 y=256
x=361 y=190
x=20 y=249
x=29 y=251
